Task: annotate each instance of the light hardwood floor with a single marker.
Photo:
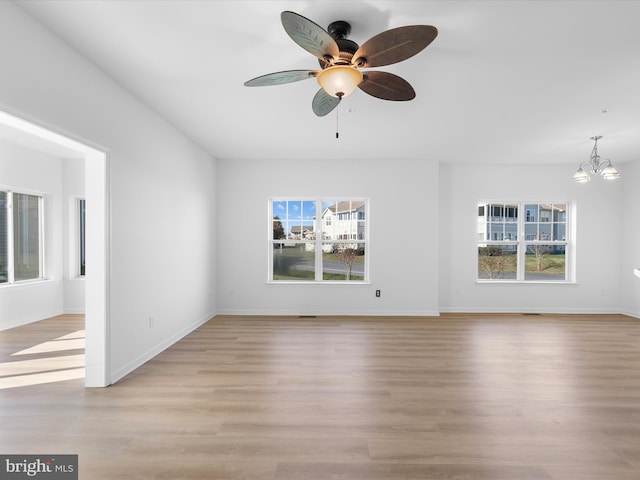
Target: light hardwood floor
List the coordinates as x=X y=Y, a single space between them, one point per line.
x=482 y=397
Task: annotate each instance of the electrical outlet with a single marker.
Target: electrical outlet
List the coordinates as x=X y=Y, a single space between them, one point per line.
x=377 y=293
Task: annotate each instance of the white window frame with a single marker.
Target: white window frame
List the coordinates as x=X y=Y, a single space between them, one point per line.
x=10 y=192
x=75 y=234
x=318 y=241
x=522 y=244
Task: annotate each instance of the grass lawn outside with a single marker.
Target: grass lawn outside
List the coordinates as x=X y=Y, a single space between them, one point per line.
x=552 y=264
x=295 y=263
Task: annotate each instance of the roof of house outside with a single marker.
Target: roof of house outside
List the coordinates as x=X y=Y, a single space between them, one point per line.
x=303 y=228
x=346 y=206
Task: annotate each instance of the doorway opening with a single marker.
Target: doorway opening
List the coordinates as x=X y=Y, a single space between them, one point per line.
x=97 y=372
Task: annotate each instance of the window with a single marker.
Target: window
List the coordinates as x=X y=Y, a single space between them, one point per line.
x=21 y=246
x=318 y=240
x=4 y=239
x=81 y=242
x=532 y=247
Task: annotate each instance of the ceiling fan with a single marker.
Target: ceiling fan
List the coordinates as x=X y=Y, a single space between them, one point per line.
x=341 y=60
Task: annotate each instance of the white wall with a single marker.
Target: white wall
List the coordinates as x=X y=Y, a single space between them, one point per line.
x=161 y=188
x=630 y=284
x=598 y=257
x=73 y=189
x=403 y=253
x=26 y=170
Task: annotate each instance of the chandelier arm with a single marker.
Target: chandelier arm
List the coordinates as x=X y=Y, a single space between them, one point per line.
x=589 y=167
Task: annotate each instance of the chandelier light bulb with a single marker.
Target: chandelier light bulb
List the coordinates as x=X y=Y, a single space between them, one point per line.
x=610 y=172
x=581 y=176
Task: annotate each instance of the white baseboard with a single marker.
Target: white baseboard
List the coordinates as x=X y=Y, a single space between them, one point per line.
x=74 y=311
x=156 y=350
x=328 y=313
x=26 y=320
x=549 y=311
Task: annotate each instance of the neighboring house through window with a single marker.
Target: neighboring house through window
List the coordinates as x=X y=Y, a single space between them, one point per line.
x=318 y=240
x=524 y=241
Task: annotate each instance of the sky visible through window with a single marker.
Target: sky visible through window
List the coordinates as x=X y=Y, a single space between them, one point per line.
x=303 y=211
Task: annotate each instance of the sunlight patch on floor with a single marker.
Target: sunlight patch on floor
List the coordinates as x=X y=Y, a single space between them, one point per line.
x=53 y=346
x=46 y=369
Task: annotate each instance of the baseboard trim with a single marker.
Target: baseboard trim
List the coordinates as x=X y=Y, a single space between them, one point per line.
x=548 y=311
x=31 y=319
x=341 y=313
x=122 y=372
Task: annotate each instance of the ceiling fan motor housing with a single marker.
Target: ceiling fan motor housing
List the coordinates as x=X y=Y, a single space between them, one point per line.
x=339 y=31
x=347 y=49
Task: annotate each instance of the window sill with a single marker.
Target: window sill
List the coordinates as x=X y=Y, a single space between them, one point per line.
x=326 y=282
x=524 y=282
x=26 y=283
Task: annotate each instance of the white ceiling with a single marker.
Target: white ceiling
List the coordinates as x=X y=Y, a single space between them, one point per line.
x=504 y=82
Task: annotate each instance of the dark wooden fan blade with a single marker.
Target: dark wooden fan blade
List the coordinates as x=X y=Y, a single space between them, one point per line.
x=310 y=36
x=387 y=86
x=394 y=45
x=278 y=78
x=323 y=103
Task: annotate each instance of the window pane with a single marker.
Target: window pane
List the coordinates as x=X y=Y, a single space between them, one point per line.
x=501 y=224
x=4 y=241
x=307 y=220
x=279 y=209
x=278 y=229
x=497 y=262
x=496 y=213
x=81 y=209
x=26 y=236
x=496 y=230
x=343 y=261
x=293 y=219
x=294 y=210
x=544 y=230
x=559 y=231
x=559 y=212
x=511 y=213
x=531 y=231
x=545 y=212
x=343 y=220
x=531 y=213
x=545 y=263
x=293 y=261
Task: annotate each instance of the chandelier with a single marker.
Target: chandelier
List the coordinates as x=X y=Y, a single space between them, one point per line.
x=596 y=165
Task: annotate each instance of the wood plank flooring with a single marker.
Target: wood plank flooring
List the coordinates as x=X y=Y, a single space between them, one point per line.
x=482 y=397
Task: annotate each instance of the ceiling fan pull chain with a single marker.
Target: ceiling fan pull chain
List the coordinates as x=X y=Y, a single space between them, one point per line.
x=338 y=119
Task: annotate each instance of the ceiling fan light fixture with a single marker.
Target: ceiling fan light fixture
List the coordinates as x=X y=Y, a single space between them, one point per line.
x=339 y=80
